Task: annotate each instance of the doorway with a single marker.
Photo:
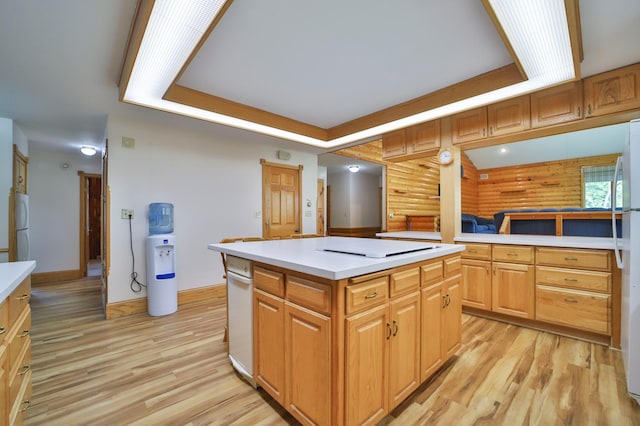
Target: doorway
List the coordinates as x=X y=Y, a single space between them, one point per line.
x=281 y=188
x=90 y=224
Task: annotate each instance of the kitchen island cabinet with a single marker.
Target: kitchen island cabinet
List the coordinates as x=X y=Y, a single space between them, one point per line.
x=339 y=338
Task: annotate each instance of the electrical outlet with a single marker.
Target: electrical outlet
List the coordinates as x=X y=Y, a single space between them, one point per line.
x=125 y=213
x=128 y=142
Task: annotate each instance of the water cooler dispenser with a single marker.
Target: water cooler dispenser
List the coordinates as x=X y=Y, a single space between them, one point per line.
x=162 y=287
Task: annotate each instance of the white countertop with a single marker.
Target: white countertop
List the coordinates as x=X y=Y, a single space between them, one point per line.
x=538 y=240
x=412 y=235
x=12 y=274
x=306 y=254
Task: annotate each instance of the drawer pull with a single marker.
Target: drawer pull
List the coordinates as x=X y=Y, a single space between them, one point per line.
x=473 y=251
x=390 y=332
x=372 y=295
x=3 y=330
x=395 y=330
x=570 y=300
x=23 y=297
x=444 y=302
x=512 y=254
x=573 y=280
x=28 y=402
x=25 y=370
x=25 y=333
x=571 y=258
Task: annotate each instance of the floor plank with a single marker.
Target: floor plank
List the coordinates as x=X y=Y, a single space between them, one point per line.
x=173 y=370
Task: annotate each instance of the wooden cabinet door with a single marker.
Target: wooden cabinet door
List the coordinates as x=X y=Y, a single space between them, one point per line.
x=268 y=325
x=558 y=104
x=431 y=330
x=19 y=171
x=367 y=358
x=513 y=289
x=423 y=137
x=612 y=91
x=452 y=317
x=476 y=284
x=394 y=144
x=469 y=125
x=307 y=342
x=510 y=116
x=404 y=351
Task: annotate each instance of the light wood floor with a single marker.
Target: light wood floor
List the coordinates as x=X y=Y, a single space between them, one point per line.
x=173 y=370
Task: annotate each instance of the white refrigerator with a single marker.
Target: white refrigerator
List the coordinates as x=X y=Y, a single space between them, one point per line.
x=23 y=239
x=627 y=249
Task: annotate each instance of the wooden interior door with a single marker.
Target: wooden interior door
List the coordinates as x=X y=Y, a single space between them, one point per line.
x=94 y=218
x=320 y=208
x=281 y=200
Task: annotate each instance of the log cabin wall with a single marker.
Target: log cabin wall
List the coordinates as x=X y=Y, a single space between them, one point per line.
x=555 y=184
x=412 y=186
x=469 y=186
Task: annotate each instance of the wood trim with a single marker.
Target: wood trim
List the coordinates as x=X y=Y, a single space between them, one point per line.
x=139 y=305
x=186 y=96
x=44 y=278
x=368 y=231
x=572 y=9
x=483 y=83
x=136 y=33
x=282 y=166
x=503 y=36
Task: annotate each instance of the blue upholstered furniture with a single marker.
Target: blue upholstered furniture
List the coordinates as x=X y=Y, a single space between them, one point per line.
x=477 y=225
x=589 y=222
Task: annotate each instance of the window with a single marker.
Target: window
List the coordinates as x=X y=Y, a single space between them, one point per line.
x=598 y=186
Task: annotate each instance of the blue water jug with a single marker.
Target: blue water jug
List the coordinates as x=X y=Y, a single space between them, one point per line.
x=160 y=218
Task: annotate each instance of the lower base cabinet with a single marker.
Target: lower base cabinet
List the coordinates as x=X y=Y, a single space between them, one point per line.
x=347 y=352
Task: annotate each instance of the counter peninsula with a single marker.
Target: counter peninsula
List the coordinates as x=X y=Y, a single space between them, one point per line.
x=341 y=338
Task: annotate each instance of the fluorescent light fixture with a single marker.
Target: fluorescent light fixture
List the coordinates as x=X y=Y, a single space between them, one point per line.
x=88 y=150
x=537 y=30
x=354 y=168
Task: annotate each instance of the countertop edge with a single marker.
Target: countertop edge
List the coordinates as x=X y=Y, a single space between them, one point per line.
x=16 y=272
x=538 y=240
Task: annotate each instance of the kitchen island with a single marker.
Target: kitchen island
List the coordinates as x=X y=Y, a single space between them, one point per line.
x=343 y=338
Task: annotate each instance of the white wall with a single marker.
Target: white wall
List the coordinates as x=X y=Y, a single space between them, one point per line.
x=214 y=183
x=6 y=180
x=355 y=201
x=54 y=206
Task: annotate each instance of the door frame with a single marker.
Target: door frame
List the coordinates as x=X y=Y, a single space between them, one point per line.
x=266 y=203
x=84 y=206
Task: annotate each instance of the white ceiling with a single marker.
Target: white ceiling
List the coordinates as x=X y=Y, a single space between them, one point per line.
x=324 y=62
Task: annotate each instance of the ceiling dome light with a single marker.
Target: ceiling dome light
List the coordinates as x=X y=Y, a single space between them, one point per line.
x=354 y=168
x=88 y=150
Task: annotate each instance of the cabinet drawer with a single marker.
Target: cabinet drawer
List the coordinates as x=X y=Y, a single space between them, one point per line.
x=367 y=294
x=18 y=299
x=19 y=336
x=21 y=403
x=452 y=267
x=574 y=278
x=515 y=254
x=432 y=273
x=23 y=367
x=477 y=251
x=269 y=281
x=574 y=308
x=404 y=281
x=4 y=319
x=310 y=294
x=573 y=258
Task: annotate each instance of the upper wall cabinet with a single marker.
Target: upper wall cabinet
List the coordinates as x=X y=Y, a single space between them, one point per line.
x=418 y=140
x=501 y=118
x=19 y=171
x=612 y=91
x=559 y=104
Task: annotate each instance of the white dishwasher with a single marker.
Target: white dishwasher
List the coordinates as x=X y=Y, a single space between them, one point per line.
x=240 y=315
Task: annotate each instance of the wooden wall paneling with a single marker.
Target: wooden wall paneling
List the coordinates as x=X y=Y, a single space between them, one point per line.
x=412 y=186
x=555 y=184
x=469 y=186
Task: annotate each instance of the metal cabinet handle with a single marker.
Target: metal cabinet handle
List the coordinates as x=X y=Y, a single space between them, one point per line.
x=448 y=300
x=512 y=254
x=25 y=333
x=372 y=295
x=473 y=251
x=395 y=330
x=23 y=296
x=26 y=369
x=579 y=112
x=28 y=402
x=444 y=302
x=389 y=330
x=571 y=280
x=570 y=258
x=3 y=330
x=570 y=300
